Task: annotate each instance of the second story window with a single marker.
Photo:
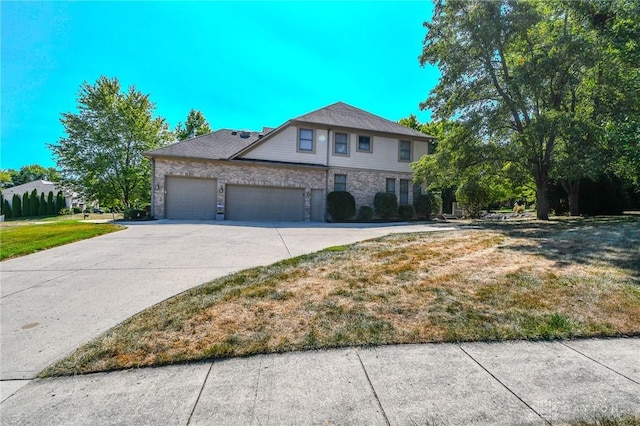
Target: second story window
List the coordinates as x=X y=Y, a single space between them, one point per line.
x=364 y=143
x=305 y=140
x=404 y=151
x=340 y=182
x=391 y=185
x=341 y=144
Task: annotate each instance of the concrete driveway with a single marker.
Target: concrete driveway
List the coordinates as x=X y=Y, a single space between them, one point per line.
x=56 y=300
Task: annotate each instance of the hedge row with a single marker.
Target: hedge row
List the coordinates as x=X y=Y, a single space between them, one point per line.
x=342 y=206
x=30 y=204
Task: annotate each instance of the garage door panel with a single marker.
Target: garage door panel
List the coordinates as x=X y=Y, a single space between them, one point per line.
x=264 y=203
x=190 y=198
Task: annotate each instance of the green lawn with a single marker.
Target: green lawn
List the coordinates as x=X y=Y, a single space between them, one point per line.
x=513 y=280
x=21 y=240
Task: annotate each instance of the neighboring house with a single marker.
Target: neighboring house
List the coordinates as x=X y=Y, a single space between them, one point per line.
x=72 y=199
x=286 y=173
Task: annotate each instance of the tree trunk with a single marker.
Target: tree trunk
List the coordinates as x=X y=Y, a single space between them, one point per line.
x=542 y=202
x=572 y=188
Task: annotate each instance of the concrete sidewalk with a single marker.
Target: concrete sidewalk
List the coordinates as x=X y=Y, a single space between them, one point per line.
x=471 y=383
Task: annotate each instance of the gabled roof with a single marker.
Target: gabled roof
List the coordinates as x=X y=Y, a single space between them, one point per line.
x=343 y=115
x=39 y=185
x=227 y=144
x=218 y=145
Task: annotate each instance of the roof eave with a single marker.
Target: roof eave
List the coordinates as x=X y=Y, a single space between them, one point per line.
x=316 y=125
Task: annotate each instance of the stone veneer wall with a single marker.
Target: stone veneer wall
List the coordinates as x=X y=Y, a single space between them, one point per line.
x=238 y=174
x=363 y=184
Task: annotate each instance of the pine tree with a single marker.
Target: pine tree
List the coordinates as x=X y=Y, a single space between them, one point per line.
x=6 y=210
x=60 y=202
x=34 y=203
x=26 y=205
x=51 y=205
x=42 y=207
x=16 y=206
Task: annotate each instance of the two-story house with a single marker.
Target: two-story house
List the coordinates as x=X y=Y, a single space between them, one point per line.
x=286 y=173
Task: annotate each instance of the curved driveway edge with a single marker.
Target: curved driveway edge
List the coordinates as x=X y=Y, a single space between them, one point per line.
x=56 y=300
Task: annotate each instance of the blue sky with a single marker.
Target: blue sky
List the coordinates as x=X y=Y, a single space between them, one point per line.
x=244 y=64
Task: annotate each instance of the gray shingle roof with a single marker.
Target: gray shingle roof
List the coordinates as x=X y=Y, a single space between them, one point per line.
x=218 y=145
x=343 y=115
x=223 y=144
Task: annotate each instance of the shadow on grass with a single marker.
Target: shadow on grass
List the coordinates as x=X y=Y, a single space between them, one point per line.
x=606 y=241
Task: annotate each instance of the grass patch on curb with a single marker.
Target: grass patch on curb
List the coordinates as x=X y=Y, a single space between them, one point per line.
x=528 y=280
x=21 y=240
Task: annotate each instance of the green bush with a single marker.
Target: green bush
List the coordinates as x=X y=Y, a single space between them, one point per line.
x=134 y=214
x=386 y=204
x=77 y=210
x=426 y=205
x=365 y=214
x=474 y=196
x=406 y=212
x=341 y=205
x=64 y=210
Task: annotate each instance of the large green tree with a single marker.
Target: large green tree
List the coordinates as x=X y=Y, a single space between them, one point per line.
x=462 y=160
x=12 y=177
x=518 y=74
x=105 y=139
x=195 y=125
x=6 y=178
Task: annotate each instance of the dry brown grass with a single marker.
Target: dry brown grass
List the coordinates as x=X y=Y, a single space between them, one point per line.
x=528 y=280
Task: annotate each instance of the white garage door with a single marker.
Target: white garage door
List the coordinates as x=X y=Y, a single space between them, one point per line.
x=190 y=198
x=264 y=203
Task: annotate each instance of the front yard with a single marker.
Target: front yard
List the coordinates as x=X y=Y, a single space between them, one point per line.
x=18 y=238
x=522 y=280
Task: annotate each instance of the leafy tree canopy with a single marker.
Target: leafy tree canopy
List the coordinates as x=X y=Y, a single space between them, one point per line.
x=11 y=177
x=195 y=125
x=102 y=151
x=531 y=77
x=461 y=157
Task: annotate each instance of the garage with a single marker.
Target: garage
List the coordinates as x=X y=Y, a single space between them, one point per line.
x=264 y=203
x=190 y=198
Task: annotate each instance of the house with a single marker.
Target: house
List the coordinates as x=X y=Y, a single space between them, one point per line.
x=72 y=199
x=286 y=173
